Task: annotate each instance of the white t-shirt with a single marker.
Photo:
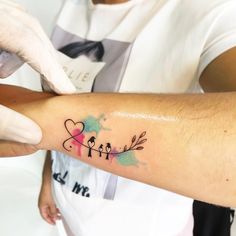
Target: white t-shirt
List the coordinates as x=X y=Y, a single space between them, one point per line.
x=151 y=46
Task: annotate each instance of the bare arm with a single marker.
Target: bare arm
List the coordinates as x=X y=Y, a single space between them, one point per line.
x=188 y=146
x=47 y=207
x=183 y=143
x=220 y=75
x=47 y=172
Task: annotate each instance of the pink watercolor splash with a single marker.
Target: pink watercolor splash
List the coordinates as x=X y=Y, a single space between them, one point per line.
x=79 y=137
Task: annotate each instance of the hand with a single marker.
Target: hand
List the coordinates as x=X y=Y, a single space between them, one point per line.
x=47 y=207
x=22 y=39
x=16 y=127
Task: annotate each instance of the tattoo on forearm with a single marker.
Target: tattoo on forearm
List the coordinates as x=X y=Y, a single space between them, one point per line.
x=76 y=140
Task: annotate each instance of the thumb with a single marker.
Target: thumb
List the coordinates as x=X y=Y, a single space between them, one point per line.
x=16 y=127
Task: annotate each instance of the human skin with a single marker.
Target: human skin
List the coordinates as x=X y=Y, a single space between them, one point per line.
x=46 y=204
x=218 y=77
x=190 y=149
x=109 y=1
x=190 y=146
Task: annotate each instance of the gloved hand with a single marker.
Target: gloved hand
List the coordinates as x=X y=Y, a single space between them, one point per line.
x=23 y=40
x=16 y=127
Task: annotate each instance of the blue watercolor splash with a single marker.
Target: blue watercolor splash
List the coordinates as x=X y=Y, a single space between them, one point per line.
x=127 y=159
x=92 y=124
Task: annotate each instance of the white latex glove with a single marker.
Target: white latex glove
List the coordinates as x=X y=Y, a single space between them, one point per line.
x=22 y=39
x=16 y=127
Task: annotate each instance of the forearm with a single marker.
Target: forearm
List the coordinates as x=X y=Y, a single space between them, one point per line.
x=47 y=171
x=189 y=139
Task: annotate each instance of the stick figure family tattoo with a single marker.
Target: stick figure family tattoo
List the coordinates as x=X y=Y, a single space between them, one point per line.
x=76 y=140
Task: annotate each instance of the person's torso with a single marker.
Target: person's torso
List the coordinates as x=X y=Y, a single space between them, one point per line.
x=146 y=47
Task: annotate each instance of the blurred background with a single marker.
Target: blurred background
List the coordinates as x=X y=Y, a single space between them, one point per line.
x=20 y=178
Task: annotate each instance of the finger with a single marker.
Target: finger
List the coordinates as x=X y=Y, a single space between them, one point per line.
x=16 y=127
x=53 y=211
x=9 y=63
x=45 y=213
x=58 y=214
x=45 y=62
x=12 y=149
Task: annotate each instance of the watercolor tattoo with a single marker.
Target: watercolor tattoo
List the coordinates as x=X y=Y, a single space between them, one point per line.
x=78 y=130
